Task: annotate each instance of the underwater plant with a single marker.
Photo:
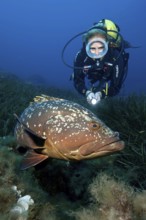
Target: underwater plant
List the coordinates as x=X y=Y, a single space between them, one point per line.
x=10 y=176
x=113 y=200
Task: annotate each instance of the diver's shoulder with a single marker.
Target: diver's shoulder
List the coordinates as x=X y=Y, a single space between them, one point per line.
x=81 y=54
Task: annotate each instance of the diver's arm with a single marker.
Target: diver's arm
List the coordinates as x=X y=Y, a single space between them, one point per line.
x=79 y=75
x=118 y=74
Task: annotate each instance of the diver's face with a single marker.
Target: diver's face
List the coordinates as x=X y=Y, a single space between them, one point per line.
x=96 y=48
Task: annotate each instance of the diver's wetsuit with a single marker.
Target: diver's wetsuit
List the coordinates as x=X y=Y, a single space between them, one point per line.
x=109 y=70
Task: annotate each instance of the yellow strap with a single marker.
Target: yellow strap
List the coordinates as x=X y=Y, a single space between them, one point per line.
x=106 y=89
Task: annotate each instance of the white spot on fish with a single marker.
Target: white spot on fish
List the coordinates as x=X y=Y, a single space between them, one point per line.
x=74 y=114
x=59 y=130
x=60 y=117
x=44 y=133
x=65 y=124
x=29 y=116
x=69 y=118
x=39 y=114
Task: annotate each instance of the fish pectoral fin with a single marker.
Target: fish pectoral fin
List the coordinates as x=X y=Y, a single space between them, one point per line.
x=31 y=159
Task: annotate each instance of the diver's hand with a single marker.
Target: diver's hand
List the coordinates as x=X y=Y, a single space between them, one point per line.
x=98 y=96
x=90 y=96
x=93 y=98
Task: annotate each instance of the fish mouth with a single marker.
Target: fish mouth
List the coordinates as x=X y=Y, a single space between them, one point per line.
x=93 y=149
x=113 y=146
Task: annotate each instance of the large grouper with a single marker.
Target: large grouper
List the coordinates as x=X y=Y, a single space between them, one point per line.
x=57 y=128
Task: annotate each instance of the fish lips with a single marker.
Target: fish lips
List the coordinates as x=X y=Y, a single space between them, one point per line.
x=95 y=149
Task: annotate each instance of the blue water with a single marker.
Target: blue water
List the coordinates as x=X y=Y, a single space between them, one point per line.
x=34 y=32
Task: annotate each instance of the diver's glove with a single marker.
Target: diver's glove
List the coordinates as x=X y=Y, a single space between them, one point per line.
x=90 y=96
x=93 y=98
x=98 y=96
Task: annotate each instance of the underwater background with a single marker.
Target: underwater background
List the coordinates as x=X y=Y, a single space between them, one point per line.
x=32 y=36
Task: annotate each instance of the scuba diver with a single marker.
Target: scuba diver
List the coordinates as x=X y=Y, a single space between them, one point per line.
x=104 y=62
x=101 y=66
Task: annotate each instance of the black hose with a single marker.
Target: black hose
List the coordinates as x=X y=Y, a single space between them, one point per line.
x=64 y=48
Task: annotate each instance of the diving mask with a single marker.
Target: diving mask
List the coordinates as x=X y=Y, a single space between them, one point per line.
x=96 y=48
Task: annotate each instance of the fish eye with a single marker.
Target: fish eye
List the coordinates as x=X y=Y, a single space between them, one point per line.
x=94 y=125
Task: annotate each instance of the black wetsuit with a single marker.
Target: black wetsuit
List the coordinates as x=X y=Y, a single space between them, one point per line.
x=108 y=70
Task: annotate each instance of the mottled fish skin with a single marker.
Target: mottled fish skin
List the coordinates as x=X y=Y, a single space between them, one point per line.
x=63 y=129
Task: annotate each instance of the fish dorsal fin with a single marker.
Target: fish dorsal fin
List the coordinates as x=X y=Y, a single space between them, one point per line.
x=44 y=98
x=31 y=159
